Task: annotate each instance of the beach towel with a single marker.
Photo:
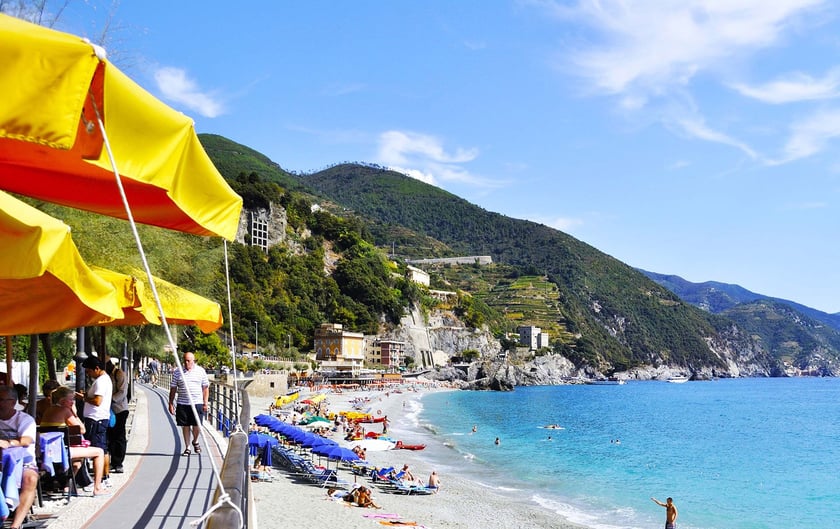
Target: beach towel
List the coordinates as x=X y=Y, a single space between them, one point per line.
x=382 y=515
x=399 y=523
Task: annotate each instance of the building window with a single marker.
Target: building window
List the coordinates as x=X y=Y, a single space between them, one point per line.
x=259 y=232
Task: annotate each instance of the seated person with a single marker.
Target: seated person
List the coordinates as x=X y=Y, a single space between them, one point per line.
x=62 y=412
x=41 y=406
x=19 y=429
x=434 y=481
x=363 y=498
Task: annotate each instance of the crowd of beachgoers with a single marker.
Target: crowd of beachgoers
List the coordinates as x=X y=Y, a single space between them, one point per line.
x=391 y=487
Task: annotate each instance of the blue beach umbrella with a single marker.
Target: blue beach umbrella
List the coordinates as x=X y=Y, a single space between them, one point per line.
x=266 y=454
x=277 y=427
x=263 y=419
x=311 y=441
x=340 y=453
x=253 y=443
x=322 y=449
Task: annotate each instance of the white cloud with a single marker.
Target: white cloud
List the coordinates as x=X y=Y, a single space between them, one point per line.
x=794 y=87
x=679 y=164
x=424 y=157
x=565 y=224
x=698 y=129
x=651 y=47
x=398 y=147
x=811 y=135
x=176 y=86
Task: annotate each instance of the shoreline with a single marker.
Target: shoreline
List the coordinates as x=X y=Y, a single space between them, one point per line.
x=461 y=503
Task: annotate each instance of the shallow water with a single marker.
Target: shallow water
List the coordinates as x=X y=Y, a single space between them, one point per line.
x=734 y=454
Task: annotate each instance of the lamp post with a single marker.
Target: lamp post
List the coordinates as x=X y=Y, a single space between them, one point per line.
x=289 y=350
x=257 y=339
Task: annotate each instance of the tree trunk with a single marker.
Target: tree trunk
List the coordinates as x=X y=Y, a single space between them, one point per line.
x=46 y=343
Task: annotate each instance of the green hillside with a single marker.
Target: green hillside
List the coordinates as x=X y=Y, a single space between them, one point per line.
x=623 y=318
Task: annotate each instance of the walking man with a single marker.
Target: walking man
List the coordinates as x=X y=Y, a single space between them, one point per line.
x=670 y=512
x=192 y=388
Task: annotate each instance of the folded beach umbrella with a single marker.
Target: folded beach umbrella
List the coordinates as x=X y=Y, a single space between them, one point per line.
x=56 y=88
x=180 y=305
x=45 y=286
x=267 y=449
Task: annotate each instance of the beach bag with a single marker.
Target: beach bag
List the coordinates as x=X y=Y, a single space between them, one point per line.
x=83 y=476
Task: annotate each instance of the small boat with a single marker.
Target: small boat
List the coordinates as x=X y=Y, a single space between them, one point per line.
x=369 y=419
x=402 y=446
x=282 y=400
x=612 y=381
x=678 y=380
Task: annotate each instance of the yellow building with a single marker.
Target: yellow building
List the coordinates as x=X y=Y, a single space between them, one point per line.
x=339 y=350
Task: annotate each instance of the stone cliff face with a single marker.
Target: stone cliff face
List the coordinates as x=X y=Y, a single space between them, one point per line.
x=433 y=341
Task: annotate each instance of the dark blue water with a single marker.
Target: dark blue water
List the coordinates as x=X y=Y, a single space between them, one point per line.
x=734 y=454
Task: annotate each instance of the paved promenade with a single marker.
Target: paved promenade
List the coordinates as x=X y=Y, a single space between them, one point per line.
x=160 y=489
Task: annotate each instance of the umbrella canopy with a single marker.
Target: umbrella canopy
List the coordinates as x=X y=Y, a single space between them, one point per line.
x=322 y=449
x=45 y=286
x=261 y=444
x=180 y=306
x=54 y=87
x=263 y=419
x=341 y=453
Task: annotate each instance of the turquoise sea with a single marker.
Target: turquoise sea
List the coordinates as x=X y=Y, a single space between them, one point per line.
x=734 y=454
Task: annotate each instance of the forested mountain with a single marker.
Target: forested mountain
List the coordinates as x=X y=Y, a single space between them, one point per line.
x=619 y=317
x=612 y=316
x=718 y=298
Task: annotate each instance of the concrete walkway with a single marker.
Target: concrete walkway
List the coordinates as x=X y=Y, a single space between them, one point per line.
x=160 y=489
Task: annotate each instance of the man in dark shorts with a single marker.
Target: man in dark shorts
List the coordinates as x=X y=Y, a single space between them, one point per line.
x=97 y=410
x=670 y=512
x=192 y=388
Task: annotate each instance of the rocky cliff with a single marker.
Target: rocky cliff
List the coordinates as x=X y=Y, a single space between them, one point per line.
x=432 y=340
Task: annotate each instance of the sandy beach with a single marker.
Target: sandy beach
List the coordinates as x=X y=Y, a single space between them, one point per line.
x=288 y=501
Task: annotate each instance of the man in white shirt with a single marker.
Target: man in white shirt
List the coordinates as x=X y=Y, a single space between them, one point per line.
x=18 y=429
x=97 y=411
x=192 y=388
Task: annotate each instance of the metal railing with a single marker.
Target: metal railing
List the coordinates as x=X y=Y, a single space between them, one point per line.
x=235 y=474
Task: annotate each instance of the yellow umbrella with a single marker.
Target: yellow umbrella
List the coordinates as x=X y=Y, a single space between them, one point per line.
x=45 y=286
x=54 y=86
x=180 y=305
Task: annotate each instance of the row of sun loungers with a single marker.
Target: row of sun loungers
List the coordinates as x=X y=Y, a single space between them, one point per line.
x=391 y=481
x=387 y=479
x=304 y=468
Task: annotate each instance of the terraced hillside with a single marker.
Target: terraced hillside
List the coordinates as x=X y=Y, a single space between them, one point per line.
x=519 y=299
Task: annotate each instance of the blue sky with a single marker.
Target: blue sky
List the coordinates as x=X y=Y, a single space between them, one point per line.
x=685 y=137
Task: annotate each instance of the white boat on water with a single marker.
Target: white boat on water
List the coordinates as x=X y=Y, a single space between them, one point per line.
x=678 y=380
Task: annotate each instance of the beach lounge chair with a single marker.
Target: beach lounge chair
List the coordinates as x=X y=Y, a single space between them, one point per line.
x=406 y=488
